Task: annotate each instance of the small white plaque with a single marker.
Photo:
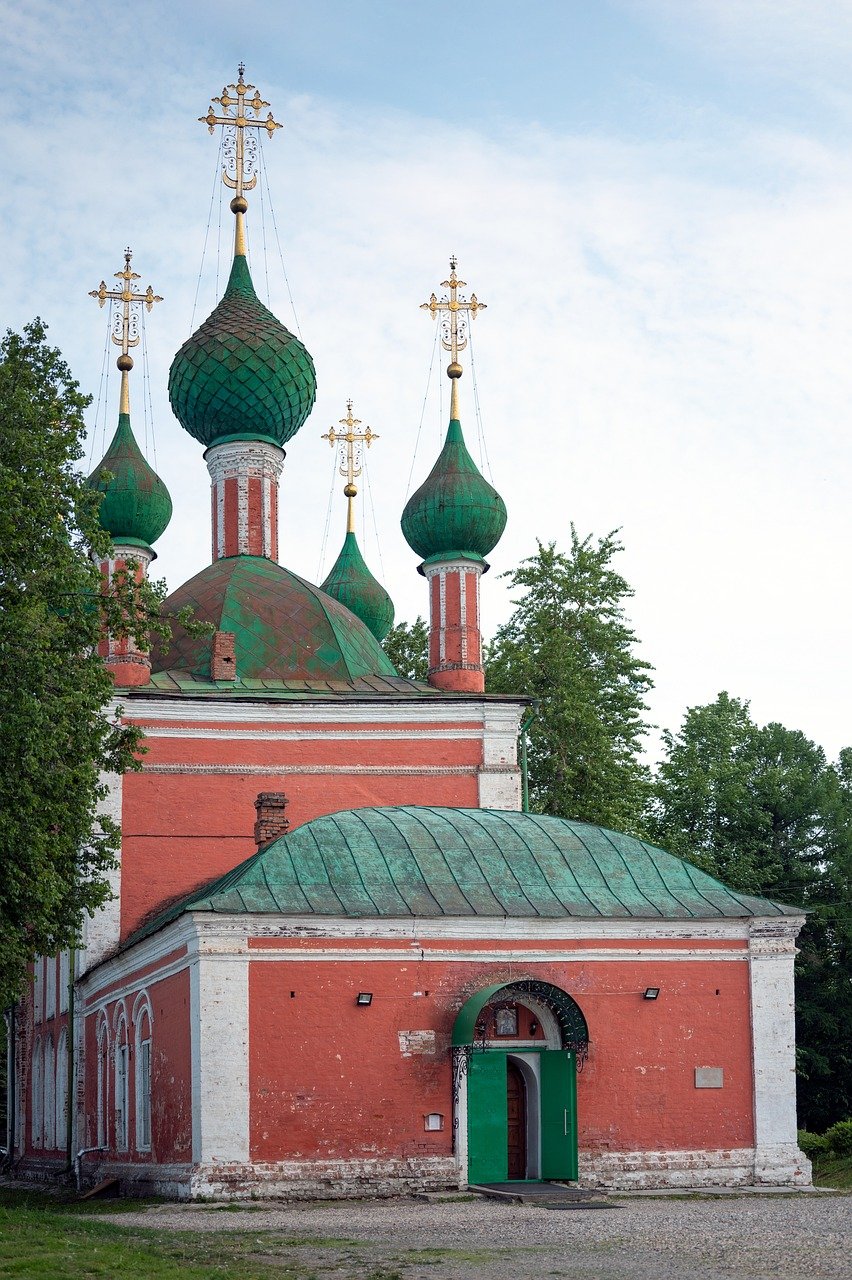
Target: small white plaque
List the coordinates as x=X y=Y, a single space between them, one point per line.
x=709 y=1077
x=434 y=1121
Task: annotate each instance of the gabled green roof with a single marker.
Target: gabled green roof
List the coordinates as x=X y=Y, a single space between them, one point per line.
x=242 y=375
x=455 y=509
x=351 y=582
x=136 y=506
x=284 y=627
x=440 y=862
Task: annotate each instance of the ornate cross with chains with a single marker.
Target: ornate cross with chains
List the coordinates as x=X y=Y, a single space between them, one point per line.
x=125 y=324
x=351 y=442
x=237 y=108
x=454 y=312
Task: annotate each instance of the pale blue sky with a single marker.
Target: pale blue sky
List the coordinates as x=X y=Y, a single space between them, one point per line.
x=653 y=196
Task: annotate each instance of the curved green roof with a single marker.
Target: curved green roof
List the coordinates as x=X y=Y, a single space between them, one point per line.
x=439 y=862
x=455 y=509
x=351 y=582
x=242 y=375
x=284 y=627
x=136 y=506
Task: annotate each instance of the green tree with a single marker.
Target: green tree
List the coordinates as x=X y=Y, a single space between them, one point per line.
x=762 y=809
x=59 y=730
x=569 y=646
x=407 y=646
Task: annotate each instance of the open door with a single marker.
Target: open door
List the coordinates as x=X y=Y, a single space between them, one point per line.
x=558 y=1115
x=487 y=1159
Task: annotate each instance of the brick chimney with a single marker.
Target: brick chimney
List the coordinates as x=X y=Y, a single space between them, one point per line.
x=223 y=657
x=271 y=820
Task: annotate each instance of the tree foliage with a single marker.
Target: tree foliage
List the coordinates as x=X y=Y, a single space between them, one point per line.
x=569 y=646
x=407 y=646
x=762 y=809
x=59 y=731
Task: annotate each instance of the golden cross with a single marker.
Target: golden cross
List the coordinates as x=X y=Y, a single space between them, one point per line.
x=240 y=159
x=454 y=312
x=351 y=442
x=125 y=324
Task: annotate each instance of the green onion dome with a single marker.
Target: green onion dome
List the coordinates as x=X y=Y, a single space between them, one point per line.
x=351 y=582
x=242 y=375
x=284 y=628
x=136 y=506
x=455 y=510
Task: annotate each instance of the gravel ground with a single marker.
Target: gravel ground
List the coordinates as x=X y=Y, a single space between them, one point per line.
x=793 y=1237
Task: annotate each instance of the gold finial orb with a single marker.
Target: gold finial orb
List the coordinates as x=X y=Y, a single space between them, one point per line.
x=454 y=370
x=350 y=491
x=239 y=204
x=125 y=363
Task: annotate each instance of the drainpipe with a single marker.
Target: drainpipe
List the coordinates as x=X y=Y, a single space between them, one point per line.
x=78 y=1164
x=529 y=716
x=69 y=1047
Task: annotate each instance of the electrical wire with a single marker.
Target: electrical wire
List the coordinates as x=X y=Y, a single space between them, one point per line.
x=99 y=400
x=147 y=401
x=422 y=414
x=369 y=491
x=216 y=183
x=325 y=532
x=264 y=176
x=483 y=447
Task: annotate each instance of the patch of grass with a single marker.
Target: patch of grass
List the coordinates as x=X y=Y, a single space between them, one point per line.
x=832 y=1171
x=448 y=1255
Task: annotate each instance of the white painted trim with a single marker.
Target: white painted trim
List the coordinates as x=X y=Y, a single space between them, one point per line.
x=315 y=735
x=195 y=1049
x=388 y=710
x=282 y=769
x=242 y=514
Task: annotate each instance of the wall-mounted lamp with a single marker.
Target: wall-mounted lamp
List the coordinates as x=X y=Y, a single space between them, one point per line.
x=364 y=997
x=650 y=993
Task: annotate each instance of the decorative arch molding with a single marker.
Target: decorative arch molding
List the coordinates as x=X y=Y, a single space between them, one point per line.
x=141 y=1007
x=143 y=1030
x=470 y=1027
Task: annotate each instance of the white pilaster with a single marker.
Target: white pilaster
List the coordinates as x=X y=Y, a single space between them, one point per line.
x=772 y=951
x=101 y=932
x=219 y=1018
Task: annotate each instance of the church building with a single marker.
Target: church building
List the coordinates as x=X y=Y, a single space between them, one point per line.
x=340 y=959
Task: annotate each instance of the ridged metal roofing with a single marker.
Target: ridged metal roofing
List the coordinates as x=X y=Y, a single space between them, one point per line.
x=441 y=862
x=455 y=509
x=136 y=506
x=351 y=582
x=284 y=627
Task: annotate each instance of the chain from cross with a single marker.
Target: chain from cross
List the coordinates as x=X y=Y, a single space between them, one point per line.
x=454 y=312
x=236 y=108
x=351 y=442
x=126 y=323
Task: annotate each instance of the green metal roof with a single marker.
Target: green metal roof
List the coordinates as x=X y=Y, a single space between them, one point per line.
x=455 y=507
x=351 y=582
x=136 y=506
x=284 y=627
x=440 y=862
x=242 y=375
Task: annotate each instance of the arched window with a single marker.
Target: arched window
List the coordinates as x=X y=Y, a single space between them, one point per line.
x=122 y=1081
x=36 y=1098
x=103 y=1081
x=142 y=1047
x=49 y=1095
x=62 y=1091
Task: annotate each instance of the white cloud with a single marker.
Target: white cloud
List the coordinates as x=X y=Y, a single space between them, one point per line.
x=665 y=345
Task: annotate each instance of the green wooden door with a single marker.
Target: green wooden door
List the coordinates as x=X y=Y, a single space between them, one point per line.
x=487 y=1150
x=558 y=1115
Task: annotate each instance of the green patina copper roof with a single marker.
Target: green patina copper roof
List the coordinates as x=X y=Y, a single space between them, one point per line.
x=285 y=628
x=351 y=582
x=455 y=509
x=439 y=862
x=136 y=506
x=242 y=375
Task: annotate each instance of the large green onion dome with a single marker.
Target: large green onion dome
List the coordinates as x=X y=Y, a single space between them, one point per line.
x=455 y=511
x=136 y=506
x=242 y=375
x=351 y=582
x=284 y=627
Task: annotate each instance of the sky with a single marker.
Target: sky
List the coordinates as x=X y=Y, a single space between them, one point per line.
x=654 y=199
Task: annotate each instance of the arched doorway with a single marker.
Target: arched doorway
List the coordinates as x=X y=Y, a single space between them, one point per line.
x=515 y=1049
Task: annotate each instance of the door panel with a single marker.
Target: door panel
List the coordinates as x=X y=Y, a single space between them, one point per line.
x=558 y=1115
x=516 y=1106
x=487 y=1159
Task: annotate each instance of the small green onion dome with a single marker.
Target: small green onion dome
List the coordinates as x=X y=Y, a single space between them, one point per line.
x=351 y=582
x=455 y=509
x=136 y=506
x=242 y=375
